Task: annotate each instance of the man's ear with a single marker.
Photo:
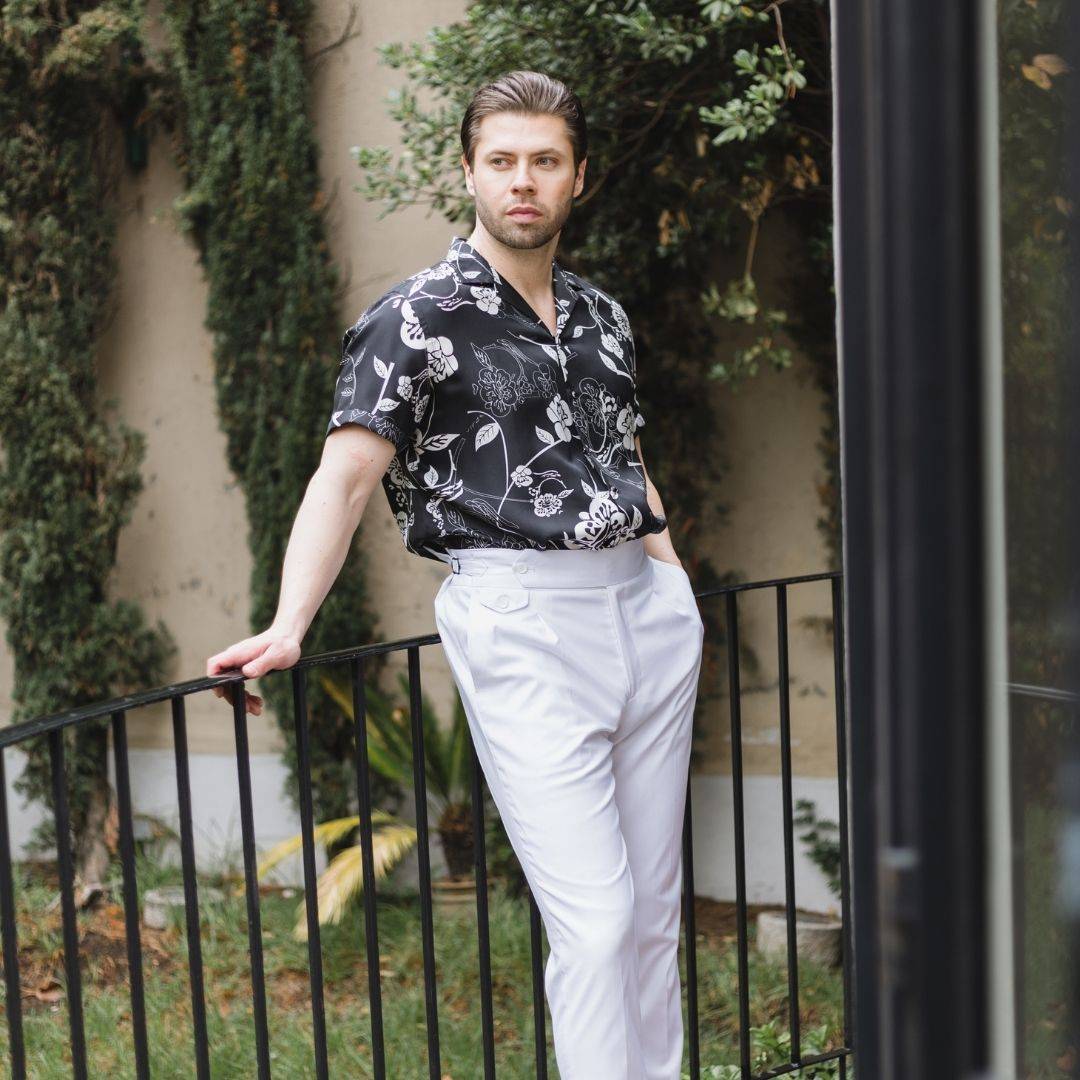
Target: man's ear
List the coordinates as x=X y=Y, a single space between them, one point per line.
x=467 y=171
x=579 y=182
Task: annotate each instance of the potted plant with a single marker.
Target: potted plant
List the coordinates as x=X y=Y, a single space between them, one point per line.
x=389 y=744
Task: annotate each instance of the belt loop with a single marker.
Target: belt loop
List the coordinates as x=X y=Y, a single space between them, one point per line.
x=455 y=564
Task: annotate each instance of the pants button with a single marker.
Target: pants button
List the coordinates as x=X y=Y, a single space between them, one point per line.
x=503 y=601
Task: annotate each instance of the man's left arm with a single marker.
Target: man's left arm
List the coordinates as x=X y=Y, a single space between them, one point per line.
x=658 y=545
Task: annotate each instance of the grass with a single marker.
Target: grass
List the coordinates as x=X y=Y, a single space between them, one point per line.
x=229 y=1000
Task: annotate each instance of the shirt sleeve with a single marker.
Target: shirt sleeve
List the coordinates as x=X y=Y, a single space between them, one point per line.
x=383 y=381
x=639 y=420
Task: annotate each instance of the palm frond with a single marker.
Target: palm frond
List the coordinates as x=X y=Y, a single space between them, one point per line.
x=387 y=751
x=326 y=832
x=344 y=877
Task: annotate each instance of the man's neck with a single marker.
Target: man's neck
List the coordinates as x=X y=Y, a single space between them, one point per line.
x=528 y=270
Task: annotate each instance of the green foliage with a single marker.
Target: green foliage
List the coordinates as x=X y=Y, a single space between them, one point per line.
x=820 y=838
x=741 y=303
x=771 y=1047
x=254 y=208
x=69 y=476
x=705 y=118
x=771 y=79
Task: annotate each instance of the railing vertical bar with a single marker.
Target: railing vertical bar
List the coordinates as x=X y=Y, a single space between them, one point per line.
x=67 y=903
x=311 y=895
x=191 y=891
x=483 y=935
x=789 y=839
x=12 y=982
x=732 y=621
x=367 y=858
x=539 y=1015
x=690 y=923
x=251 y=881
x=842 y=777
x=131 y=895
x=424 y=858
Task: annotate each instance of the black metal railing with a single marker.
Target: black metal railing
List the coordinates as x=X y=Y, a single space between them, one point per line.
x=731 y=621
x=51 y=727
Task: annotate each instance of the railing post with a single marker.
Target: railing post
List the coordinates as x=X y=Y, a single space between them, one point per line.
x=191 y=892
x=251 y=881
x=131 y=896
x=367 y=859
x=67 y=903
x=12 y=982
x=734 y=704
x=427 y=931
x=690 y=923
x=311 y=889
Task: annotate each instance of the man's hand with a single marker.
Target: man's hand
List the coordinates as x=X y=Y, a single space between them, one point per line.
x=271 y=650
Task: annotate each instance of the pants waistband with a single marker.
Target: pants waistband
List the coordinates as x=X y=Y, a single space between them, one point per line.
x=548 y=568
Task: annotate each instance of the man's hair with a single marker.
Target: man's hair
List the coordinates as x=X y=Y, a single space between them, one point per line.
x=525 y=92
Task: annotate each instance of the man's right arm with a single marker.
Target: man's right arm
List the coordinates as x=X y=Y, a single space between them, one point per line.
x=354 y=460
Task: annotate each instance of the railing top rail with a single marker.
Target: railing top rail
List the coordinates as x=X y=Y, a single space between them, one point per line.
x=42 y=725
x=1045 y=693
x=771 y=583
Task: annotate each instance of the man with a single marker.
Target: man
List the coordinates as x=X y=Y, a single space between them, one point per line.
x=493 y=394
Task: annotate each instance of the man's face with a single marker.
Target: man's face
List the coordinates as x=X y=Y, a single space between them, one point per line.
x=523 y=160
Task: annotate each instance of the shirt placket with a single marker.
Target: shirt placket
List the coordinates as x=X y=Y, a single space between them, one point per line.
x=562 y=292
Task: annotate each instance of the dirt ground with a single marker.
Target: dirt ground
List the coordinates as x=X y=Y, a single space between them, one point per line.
x=103 y=947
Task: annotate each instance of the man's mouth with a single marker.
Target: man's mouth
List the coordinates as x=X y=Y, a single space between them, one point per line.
x=525 y=214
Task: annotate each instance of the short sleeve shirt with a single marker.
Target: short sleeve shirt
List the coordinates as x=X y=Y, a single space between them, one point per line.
x=506 y=435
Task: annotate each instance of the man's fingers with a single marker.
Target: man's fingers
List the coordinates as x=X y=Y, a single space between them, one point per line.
x=252 y=702
x=253 y=657
x=263 y=663
x=232 y=657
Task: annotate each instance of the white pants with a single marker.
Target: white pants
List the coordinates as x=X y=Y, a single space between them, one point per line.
x=578 y=673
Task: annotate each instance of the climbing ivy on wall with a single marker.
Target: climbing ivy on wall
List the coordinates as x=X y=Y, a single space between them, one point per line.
x=253 y=206
x=68 y=476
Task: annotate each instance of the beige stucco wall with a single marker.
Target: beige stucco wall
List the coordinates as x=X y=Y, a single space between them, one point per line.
x=184 y=556
x=769 y=432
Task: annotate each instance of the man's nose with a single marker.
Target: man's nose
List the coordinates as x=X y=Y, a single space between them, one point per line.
x=523 y=180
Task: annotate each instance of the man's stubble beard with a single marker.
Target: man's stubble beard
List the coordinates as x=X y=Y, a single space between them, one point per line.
x=522 y=237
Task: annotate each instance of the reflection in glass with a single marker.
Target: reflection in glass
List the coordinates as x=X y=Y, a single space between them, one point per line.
x=1033 y=83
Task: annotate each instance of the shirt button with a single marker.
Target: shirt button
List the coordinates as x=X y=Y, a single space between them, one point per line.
x=503 y=601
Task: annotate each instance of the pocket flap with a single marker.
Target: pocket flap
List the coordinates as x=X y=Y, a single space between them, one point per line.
x=503 y=599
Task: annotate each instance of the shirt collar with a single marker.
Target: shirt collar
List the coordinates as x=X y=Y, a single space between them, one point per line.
x=473 y=269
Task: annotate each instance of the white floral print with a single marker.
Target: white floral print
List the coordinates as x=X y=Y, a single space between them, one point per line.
x=506 y=435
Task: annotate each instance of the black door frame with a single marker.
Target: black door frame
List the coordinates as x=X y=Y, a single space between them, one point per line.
x=909 y=313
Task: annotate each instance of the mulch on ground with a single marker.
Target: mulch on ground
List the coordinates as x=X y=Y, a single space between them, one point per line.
x=103 y=946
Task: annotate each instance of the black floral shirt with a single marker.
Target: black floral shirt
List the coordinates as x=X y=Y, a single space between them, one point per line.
x=506 y=436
